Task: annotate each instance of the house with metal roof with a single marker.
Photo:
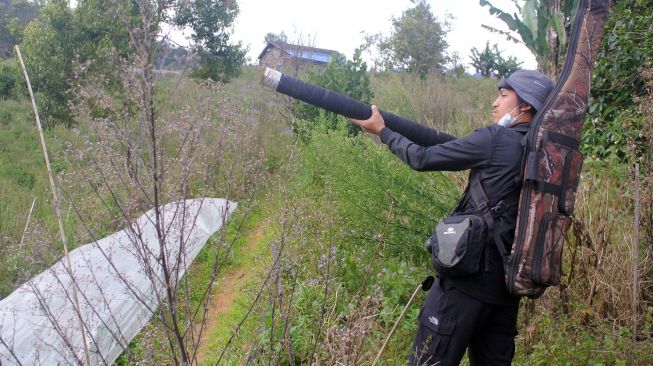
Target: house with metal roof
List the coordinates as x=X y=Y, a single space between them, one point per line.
x=291 y=58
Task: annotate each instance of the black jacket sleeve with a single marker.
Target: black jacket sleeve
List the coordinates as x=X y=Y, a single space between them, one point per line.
x=419 y=134
x=472 y=151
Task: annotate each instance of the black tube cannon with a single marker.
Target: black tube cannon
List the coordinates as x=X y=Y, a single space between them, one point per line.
x=323 y=98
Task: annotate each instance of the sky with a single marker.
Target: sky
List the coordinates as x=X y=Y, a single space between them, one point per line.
x=339 y=24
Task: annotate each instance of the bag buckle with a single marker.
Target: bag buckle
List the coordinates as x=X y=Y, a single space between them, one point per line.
x=499 y=208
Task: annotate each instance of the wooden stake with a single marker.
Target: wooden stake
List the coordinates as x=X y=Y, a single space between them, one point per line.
x=634 y=252
x=57 y=207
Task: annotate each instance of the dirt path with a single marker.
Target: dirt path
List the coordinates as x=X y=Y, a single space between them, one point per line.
x=227 y=290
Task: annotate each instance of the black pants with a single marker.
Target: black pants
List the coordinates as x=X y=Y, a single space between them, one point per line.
x=451 y=322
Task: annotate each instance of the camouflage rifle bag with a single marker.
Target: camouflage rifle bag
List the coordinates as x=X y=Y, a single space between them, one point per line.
x=553 y=163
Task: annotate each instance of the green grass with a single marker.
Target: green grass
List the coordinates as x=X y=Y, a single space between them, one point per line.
x=254 y=260
x=23 y=178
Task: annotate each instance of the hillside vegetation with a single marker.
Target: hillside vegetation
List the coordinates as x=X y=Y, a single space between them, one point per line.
x=355 y=222
x=327 y=244
x=344 y=225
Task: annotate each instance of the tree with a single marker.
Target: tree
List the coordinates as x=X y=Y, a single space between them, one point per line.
x=484 y=61
x=96 y=34
x=490 y=62
x=14 y=14
x=48 y=49
x=62 y=37
x=211 y=21
x=101 y=40
x=276 y=37
x=542 y=26
x=507 y=66
x=417 y=43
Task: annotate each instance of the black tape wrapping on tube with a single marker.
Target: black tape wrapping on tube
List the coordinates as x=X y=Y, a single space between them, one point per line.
x=332 y=101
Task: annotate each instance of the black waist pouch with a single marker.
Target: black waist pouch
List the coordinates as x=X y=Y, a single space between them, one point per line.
x=457 y=245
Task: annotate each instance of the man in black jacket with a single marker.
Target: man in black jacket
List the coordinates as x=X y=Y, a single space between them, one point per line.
x=475 y=312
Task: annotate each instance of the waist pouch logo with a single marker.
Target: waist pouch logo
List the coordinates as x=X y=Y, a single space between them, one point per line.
x=457 y=245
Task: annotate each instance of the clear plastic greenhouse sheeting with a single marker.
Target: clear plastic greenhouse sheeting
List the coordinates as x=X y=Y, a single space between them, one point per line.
x=120 y=279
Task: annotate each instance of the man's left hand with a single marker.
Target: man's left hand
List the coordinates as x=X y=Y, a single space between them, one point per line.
x=374 y=124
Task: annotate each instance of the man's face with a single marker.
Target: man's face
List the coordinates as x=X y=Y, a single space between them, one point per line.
x=506 y=102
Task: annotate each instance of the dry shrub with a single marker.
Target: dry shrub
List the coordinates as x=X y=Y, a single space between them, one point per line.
x=203 y=148
x=434 y=104
x=646 y=235
x=598 y=259
x=144 y=142
x=346 y=338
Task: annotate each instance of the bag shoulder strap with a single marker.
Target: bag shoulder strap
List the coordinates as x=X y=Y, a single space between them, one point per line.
x=482 y=204
x=523 y=129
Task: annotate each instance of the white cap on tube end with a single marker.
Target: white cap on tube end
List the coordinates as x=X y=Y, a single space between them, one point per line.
x=271 y=78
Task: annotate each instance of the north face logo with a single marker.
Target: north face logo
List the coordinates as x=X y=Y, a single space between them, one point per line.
x=450 y=230
x=433 y=320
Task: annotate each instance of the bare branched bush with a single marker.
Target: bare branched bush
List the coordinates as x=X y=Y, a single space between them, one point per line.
x=347 y=336
x=144 y=142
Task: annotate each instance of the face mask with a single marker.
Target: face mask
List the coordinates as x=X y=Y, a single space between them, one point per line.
x=508 y=118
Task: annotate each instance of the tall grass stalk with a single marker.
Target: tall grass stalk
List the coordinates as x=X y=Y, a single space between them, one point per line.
x=57 y=206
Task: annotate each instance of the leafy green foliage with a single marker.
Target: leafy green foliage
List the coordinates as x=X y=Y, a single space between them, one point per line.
x=543 y=26
x=210 y=21
x=614 y=127
x=95 y=34
x=490 y=62
x=346 y=77
x=9 y=76
x=48 y=49
x=14 y=14
x=101 y=39
x=62 y=37
x=417 y=43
